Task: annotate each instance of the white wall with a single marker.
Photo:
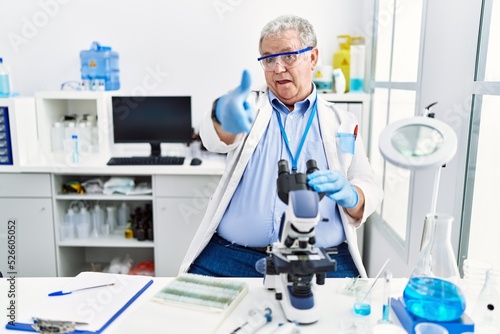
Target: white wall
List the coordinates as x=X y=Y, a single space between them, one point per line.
x=190 y=47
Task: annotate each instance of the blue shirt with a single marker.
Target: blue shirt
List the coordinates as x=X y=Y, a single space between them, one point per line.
x=254 y=214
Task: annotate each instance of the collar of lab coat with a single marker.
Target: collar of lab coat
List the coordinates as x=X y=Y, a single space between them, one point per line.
x=329 y=123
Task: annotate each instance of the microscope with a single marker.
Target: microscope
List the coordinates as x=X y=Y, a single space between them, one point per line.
x=294 y=260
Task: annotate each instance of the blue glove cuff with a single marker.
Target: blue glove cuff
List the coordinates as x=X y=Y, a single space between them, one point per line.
x=357 y=198
x=216 y=109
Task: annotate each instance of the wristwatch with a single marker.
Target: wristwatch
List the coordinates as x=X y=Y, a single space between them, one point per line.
x=214 y=116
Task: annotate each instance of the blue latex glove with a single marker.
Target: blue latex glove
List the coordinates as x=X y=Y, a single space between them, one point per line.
x=335 y=186
x=234 y=113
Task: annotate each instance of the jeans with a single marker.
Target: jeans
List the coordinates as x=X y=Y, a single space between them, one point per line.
x=220 y=258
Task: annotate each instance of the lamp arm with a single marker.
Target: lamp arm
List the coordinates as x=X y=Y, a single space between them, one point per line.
x=435 y=190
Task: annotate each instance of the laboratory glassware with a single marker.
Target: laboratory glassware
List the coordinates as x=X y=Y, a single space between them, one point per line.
x=486 y=314
x=432 y=292
x=386 y=301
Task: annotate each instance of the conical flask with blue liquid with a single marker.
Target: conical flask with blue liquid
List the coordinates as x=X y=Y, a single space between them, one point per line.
x=432 y=292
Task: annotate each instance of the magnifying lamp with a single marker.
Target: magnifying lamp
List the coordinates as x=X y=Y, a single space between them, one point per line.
x=419 y=143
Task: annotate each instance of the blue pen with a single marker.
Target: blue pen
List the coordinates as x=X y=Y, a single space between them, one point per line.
x=62 y=293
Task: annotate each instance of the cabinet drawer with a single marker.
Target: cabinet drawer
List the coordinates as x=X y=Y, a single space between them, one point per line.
x=25 y=185
x=186 y=185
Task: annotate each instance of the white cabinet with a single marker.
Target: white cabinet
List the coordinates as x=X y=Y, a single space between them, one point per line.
x=76 y=255
x=52 y=107
x=25 y=203
x=180 y=203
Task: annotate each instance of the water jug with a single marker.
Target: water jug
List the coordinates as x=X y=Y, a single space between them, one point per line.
x=100 y=63
x=342 y=58
x=432 y=292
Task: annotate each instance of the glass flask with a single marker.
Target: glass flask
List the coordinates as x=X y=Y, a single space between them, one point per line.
x=432 y=292
x=486 y=314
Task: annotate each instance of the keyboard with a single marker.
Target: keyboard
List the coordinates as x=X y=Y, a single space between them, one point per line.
x=150 y=160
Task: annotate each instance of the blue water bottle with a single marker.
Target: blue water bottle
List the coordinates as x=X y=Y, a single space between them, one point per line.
x=4 y=80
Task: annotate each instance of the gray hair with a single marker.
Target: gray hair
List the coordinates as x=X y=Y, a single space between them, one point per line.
x=284 y=23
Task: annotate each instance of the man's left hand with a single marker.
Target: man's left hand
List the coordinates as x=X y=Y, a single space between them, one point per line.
x=335 y=185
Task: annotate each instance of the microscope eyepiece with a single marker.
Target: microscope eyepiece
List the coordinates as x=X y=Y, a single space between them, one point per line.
x=311 y=166
x=283 y=167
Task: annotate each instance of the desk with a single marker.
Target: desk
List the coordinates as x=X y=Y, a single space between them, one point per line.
x=335 y=306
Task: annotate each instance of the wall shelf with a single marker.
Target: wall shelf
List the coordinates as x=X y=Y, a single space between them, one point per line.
x=98 y=197
x=111 y=241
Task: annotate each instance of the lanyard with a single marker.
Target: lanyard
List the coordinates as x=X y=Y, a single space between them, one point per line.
x=304 y=135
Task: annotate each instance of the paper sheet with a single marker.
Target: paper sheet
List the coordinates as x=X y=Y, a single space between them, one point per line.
x=96 y=307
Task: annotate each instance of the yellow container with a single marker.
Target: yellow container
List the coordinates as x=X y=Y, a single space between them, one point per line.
x=342 y=57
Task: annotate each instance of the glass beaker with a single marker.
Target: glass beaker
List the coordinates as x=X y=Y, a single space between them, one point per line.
x=433 y=293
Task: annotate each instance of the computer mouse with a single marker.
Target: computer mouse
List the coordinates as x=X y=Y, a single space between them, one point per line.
x=195 y=162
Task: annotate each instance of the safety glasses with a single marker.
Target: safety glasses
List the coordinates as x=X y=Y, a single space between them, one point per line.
x=286 y=59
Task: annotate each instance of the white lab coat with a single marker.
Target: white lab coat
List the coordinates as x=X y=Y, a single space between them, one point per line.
x=332 y=120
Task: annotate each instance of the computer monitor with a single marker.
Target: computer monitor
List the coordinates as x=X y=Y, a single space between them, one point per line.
x=152 y=119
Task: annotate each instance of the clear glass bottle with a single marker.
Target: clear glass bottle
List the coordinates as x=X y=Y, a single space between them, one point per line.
x=433 y=293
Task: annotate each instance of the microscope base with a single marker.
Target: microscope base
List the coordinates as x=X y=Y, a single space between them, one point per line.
x=302 y=310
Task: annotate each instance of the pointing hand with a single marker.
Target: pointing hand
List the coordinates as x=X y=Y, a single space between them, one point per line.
x=233 y=111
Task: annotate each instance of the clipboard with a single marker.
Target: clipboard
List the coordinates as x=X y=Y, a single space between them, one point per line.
x=93 y=310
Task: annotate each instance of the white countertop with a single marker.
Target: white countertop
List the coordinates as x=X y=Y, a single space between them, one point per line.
x=145 y=316
x=212 y=164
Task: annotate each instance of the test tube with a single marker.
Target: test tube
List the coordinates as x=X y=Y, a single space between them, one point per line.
x=386 y=302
